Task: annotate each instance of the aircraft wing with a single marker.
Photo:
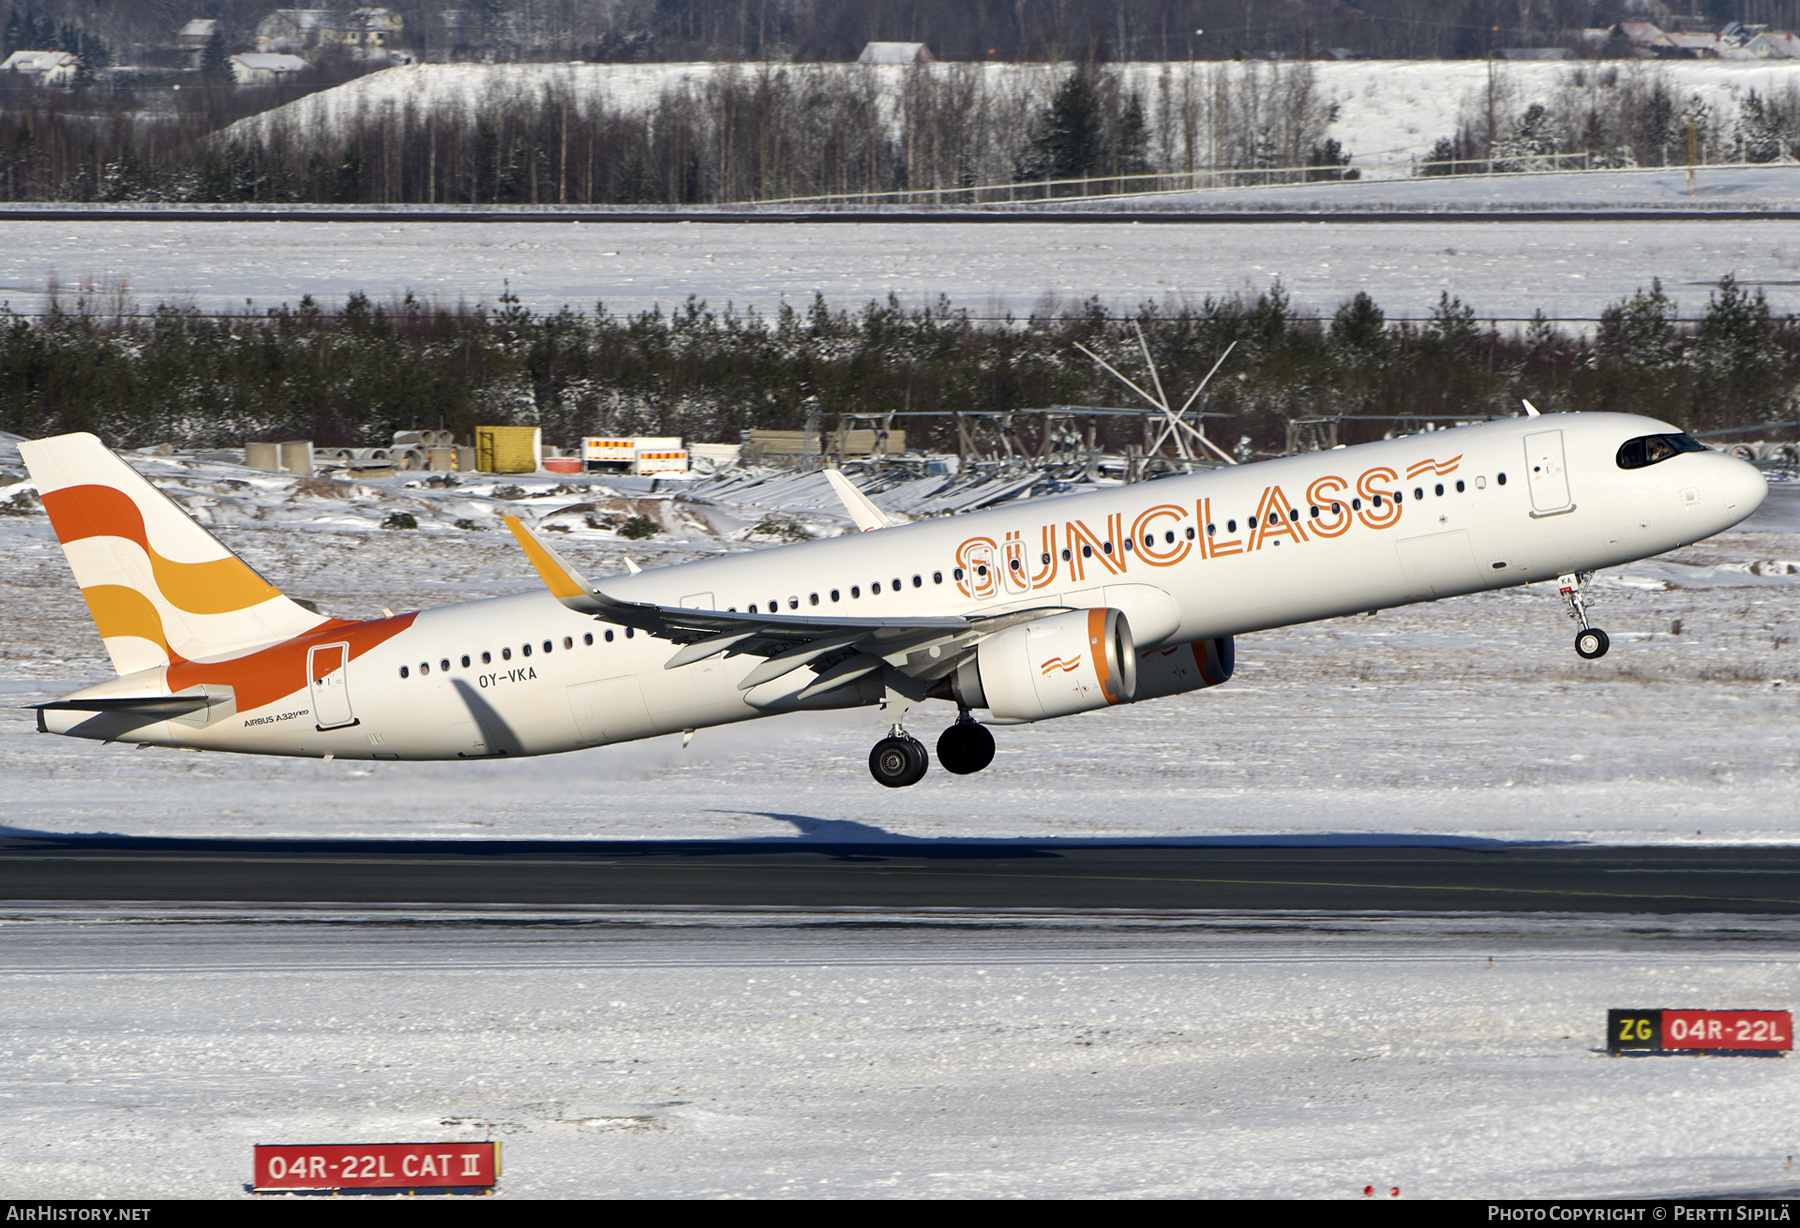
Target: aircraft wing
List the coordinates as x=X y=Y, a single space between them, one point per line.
x=839 y=649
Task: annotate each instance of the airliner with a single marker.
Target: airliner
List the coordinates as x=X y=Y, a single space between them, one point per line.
x=1024 y=612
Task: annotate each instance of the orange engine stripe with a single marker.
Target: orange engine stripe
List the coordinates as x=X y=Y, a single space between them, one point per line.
x=1097 y=647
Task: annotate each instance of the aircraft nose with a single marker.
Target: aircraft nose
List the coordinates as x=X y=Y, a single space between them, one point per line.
x=1742 y=487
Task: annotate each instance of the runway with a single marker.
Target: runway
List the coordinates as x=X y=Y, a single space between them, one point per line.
x=1002 y=875
x=564 y=215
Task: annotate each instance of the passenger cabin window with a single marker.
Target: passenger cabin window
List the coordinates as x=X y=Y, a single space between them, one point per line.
x=1648 y=450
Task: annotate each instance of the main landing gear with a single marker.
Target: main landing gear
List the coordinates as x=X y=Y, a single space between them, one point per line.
x=1591 y=643
x=899 y=759
x=966 y=747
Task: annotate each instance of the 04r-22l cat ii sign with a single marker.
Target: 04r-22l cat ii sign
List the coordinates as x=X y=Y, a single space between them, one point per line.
x=1024 y=612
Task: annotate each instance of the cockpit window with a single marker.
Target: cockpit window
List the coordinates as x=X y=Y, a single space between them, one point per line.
x=1649 y=449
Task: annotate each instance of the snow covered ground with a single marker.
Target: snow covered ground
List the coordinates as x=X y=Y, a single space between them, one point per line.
x=856 y=1055
x=1465 y=719
x=1388 y=111
x=1507 y=269
x=1773 y=186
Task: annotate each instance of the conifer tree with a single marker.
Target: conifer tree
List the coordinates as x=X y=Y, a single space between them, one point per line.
x=1070 y=137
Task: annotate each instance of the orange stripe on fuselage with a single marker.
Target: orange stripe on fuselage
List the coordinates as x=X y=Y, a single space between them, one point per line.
x=222 y=586
x=273 y=673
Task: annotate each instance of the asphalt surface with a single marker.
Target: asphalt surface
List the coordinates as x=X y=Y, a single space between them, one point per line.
x=564 y=216
x=1026 y=875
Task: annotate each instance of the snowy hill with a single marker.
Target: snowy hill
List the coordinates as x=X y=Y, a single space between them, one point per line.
x=1387 y=112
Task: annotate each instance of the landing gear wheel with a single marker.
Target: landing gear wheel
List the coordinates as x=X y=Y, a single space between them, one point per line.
x=1591 y=644
x=965 y=747
x=898 y=762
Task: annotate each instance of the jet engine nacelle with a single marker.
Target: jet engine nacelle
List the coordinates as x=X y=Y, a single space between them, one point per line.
x=1178 y=668
x=1056 y=666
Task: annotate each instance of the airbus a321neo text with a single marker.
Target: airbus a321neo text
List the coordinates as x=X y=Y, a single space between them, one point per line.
x=1023 y=613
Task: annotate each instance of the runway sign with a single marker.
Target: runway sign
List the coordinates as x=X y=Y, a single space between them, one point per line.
x=1669 y=1031
x=376 y=1166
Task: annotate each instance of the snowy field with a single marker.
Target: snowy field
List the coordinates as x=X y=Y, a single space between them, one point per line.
x=143 y=1052
x=1774 y=186
x=1388 y=111
x=1506 y=269
x=1464 y=720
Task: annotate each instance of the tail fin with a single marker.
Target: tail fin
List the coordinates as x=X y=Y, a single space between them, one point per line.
x=161 y=589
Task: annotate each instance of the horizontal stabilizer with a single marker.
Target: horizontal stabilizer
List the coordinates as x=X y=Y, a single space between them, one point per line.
x=151 y=705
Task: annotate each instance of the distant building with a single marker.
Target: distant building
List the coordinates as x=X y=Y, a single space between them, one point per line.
x=895 y=53
x=372 y=28
x=266 y=67
x=367 y=32
x=1695 y=44
x=196 y=33
x=1643 y=34
x=1773 y=45
x=41 y=67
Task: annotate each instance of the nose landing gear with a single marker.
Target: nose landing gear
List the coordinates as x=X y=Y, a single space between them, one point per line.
x=1591 y=643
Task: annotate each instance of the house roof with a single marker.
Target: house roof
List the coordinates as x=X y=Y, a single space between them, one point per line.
x=37 y=61
x=895 y=53
x=200 y=27
x=1643 y=32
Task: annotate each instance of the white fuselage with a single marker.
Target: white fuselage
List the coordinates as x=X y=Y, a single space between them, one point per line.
x=1222 y=553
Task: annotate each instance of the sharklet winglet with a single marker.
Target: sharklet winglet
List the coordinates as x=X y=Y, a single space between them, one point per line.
x=557 y=573
x=865 y=514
